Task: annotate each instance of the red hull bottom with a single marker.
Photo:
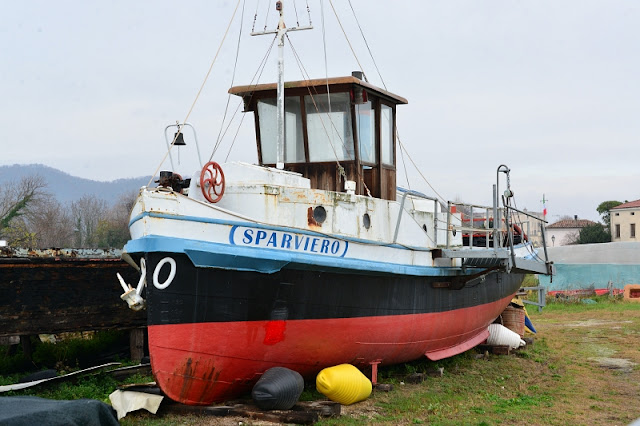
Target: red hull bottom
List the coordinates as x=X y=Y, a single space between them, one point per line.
x=202 y=363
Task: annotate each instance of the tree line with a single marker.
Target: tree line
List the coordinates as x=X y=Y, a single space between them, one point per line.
x=31 y=217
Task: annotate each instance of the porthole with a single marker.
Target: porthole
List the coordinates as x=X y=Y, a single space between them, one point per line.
x=424 y=228
x=319 y=214
x=366 y=221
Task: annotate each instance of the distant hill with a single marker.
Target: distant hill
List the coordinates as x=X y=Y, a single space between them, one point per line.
x=67 y=188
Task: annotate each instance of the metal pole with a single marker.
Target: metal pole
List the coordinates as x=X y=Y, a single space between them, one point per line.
x=448 y=224
x=435 y=223
x=280 y=107
x=495 y=217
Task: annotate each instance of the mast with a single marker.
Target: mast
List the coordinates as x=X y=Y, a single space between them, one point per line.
x=280 y=32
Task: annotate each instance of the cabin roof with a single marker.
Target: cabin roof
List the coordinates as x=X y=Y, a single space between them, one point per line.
x=320 y=82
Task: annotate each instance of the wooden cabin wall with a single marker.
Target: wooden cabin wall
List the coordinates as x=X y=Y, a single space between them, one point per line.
x=326 y=176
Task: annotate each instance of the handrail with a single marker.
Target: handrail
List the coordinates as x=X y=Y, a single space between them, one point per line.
x=486 y=230
x=419 y=195
x=526 y=214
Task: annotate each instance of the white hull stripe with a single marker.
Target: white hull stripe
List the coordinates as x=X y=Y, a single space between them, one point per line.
x=268 y=228
x=269 y=260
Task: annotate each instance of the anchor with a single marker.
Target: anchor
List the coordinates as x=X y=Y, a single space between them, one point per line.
x=132 y=295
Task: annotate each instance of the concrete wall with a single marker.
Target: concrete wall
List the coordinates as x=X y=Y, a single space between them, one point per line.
x=593 y=266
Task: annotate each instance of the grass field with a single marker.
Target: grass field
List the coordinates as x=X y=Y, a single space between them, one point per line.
x=583 y=368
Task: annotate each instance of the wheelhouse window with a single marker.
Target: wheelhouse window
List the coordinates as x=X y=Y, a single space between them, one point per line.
x=366 y=128
x=329 y=129
x=293 y=131
x=386 y=134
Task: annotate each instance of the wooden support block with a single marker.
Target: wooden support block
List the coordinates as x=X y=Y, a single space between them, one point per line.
x=384 y=387
x=438 y=372
x=501 y=350
x=27 y=349
x=136 y=343
x=415 y=378
x=323 y=408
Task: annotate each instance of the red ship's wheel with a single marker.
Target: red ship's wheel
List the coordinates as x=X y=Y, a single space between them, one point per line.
x=212 y=182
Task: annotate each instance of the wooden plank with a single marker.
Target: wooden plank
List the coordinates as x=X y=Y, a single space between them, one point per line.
x=55 y=295
x=302 y=413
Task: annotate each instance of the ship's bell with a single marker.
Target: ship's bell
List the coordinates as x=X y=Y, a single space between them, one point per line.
x=179 y=139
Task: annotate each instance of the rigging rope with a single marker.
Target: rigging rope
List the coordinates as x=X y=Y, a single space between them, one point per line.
x=306 y=77
x=296 y=10
x=367 y=44
x=257 y=74
x=266 y=16
x=348 y=42
x=419 y=172
x=233 y=77
x=199 y=92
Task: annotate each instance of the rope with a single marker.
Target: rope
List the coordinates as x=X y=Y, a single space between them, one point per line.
x=367 y=44
x=347 y=38
x=296 y=10
x=306 y=77
x=233 y=77
x=257 y=74
x=266 y=16
x=255 y=17
x=199 y=92
x=442 y=200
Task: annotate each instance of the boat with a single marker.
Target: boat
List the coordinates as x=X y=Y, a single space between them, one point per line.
x=313 y=257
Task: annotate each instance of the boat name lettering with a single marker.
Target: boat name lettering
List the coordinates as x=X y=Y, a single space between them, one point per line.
x=271 y=239
x=156 y=273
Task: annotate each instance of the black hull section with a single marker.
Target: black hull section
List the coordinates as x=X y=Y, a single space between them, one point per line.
x=200 y=295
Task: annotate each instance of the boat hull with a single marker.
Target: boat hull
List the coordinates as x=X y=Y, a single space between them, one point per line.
x=213 y=332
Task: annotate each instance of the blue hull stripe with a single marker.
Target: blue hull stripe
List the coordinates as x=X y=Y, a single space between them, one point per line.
x=226 y=256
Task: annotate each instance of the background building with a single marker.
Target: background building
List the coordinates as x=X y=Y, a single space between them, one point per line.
x=624 y=221
x=565 y=232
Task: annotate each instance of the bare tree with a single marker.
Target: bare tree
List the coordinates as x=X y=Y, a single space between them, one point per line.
x=86 y=214
x=113 y=229
x=52 y=224
x=17 y=201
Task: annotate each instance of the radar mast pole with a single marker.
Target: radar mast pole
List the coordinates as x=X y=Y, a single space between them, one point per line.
x=280 y=32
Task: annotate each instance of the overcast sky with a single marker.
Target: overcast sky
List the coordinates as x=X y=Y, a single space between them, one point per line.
x=549 y=88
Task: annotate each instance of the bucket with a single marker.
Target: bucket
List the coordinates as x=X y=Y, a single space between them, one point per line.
x=513 y=319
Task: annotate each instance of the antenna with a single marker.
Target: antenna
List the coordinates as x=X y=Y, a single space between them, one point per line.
x=280 y=32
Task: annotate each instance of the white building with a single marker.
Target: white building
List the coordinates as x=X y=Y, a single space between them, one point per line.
x=565 y=232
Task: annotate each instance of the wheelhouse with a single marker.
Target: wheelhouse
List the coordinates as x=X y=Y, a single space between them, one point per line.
x=347 y=135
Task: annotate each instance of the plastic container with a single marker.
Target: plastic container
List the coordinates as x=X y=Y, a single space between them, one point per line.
x=500 y=335
x=513 y=319
x=343 y=383
x=278 y=388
